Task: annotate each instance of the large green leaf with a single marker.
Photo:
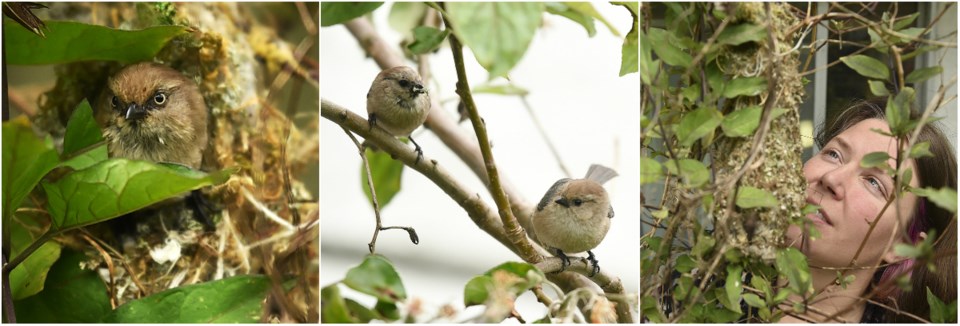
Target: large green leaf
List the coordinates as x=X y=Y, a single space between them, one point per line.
x=26 y=159
x=664 y=45
x=238 y=299
x=941 y=312
x=71 y=294
x=650 y=171
x=28 y=278
x=119 y=186
x=476 y=290
x=387 y=174
x=867 y=66
x=68 y=41
x=742 y=122
x=733 y=287
x=377 y=277
x=82 y=130
x=694 y=172
x=742 y=33
x=697 y=124
x=332 y=13
x=497 y=32
x=629 y=55
x=792 y=263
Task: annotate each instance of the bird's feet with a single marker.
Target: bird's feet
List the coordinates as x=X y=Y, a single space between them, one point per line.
x=372 y=120
x=200 y=205
x=564 y=260
x=416 y=149
x=593 y=260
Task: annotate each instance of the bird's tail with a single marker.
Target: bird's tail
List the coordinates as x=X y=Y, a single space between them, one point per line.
x=599 y=173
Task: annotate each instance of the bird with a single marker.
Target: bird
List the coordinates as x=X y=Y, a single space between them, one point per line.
x=152 y=112
x=574 y=215
x=398 y=103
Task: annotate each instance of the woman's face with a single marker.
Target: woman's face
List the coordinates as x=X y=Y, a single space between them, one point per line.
x=851 y=197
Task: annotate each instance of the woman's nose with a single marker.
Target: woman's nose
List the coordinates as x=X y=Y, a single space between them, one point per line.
x=833 y=181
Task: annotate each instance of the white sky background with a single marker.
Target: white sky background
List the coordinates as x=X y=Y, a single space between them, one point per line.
x=590 y=113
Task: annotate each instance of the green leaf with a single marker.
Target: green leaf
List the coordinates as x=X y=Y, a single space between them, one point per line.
x=405 y=16
x=387 y=310
x=878 y=88
x=650 y=171
x=118 y=186
x=874 y=159
x=72 y=41
x=898 y=111
x=685 y=264
x=88 y=158
x=28 y=278
x=734 y=287
x=427 y=39
x=944 y=197
x=377 y=277
x=867 y=66
x=697 y=124
x=941 y=312
x=745 y=86
x=70 y=295
x=82 y=130
x=753 y=300
x=629 y=55
x=334 y=307
x=703 y=246
x=497 y=32
x=362 y=313
x=793 y=264
x=922 y=74
x=238 y=299
x=564 y=10
x=905 y=21
x=587 y=9
x=684 y=285
x=387 y=174
x=667 y=49
x=476 y=290
x=26 y=159
x=530 y=274
x=742 y=33
x=920 y=149
x=694 y=172
x=742 y=122
x=648 y=66
x=750 y=197
x=508 y=89
x=332 y=13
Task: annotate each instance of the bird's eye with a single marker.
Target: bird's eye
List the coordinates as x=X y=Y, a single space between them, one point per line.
x=577 y=202
x=404 y=83
x=115 y=102
x=160 y=98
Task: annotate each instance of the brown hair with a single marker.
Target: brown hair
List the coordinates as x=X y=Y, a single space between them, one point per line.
x=937 y=171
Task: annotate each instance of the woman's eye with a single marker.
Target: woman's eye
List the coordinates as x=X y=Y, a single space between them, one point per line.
x=832 y=154
x=874 y=182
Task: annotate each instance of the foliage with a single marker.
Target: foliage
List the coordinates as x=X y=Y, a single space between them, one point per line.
x=720 y=94
x=100 y=43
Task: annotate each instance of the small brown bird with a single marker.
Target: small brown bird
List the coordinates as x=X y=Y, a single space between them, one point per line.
x=154 y=113
x=398 y=103
x=574 y=215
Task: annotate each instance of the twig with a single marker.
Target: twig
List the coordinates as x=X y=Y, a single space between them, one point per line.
x=543 y=134
x=112 y=284
x=372 y=246
x=8 y=296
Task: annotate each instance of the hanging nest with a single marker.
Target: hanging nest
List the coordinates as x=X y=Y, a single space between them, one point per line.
x=266 y=221
x=759 y=232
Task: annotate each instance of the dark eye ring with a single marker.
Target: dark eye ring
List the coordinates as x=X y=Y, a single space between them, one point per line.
x=160 y=98
x=115 y=102
x=404 y=83
x=577 y=202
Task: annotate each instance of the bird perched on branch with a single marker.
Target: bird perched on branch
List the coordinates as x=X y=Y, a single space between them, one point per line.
x=154 y=113
x=398 y=103
x=574 y=215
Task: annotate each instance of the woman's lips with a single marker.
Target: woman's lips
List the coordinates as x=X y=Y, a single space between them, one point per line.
x=820 y=216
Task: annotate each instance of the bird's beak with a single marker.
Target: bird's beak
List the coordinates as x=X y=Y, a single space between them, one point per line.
x=418 y=89
x=563 y=202
x=135 y=112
